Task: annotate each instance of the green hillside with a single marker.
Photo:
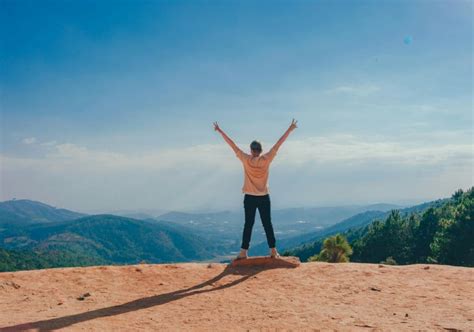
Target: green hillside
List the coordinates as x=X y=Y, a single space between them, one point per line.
x=24 y=211
x=15 y=260
x=436 y=233
x=109 y=239
x=300 y=243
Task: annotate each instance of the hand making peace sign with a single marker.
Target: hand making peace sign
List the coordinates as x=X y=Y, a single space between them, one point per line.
x=293 y=124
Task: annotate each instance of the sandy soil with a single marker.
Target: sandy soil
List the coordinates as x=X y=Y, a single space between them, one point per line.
x=201 y=296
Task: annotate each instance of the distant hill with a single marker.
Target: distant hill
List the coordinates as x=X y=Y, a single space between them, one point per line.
x=356 y=227
x=10 y=218
x=383 y=207
x=37 y=228
x=356 y=221
x=24 y=211
x=223 y=230
x=226 y=226
x=135 y=213
x=200 y=222
x=109 y=238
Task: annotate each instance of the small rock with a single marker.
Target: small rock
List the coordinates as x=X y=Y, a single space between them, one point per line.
x=375 y=289
x=209 y=265
x=60 y=303
x=380 y=265
x=13 y=284
x=363 y=325
x=406 y=315
x=138 y=270
x=83 y=297
x=426 y=268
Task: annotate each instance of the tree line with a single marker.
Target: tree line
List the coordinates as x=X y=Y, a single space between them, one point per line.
x=442 y=235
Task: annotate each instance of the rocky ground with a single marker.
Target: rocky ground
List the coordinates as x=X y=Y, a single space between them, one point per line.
x=200 y=296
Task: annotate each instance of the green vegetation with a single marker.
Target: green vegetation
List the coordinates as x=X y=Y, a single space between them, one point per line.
x=442 y=233
x=305 y=246
x=307 y=250
x=336 y=249
x=13 y=260
x=99 y=239
x=435 y=232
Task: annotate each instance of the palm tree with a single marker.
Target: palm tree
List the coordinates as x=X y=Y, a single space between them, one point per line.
x=336 y=249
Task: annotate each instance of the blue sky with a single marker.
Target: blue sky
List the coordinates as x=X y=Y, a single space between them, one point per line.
x=110 y=105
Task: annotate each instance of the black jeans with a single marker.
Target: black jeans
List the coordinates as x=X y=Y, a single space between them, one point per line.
x=251 y=204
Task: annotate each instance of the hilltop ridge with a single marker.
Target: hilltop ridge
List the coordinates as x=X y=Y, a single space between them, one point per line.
x=215 y=296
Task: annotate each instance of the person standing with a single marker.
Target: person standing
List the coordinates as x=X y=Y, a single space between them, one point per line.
x=257 y=195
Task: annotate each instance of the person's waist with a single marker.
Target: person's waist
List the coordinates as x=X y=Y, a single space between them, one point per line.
x=257 y=195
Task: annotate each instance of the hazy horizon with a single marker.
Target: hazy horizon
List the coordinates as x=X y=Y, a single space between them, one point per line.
x=108 y=106
x=158 y=211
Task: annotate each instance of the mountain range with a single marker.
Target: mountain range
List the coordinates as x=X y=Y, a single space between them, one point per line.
x=62 y=237
x=356 y=221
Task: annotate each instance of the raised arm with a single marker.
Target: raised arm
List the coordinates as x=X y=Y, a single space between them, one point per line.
x=285 y=135
x=226 y=138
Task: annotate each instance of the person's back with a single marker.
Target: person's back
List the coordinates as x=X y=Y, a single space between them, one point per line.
x=256 y=171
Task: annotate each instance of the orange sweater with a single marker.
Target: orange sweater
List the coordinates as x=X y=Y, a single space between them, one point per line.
x=256 y=171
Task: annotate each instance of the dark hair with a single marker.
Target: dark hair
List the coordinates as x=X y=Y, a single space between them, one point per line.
x=256 y=145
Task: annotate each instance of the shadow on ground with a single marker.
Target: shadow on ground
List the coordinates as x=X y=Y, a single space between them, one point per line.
x=143 y=303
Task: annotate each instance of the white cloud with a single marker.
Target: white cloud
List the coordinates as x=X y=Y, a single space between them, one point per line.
x=29 y=140
x=211 y=175
x=349 y=148
x=317 y=149
x=171 y=158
